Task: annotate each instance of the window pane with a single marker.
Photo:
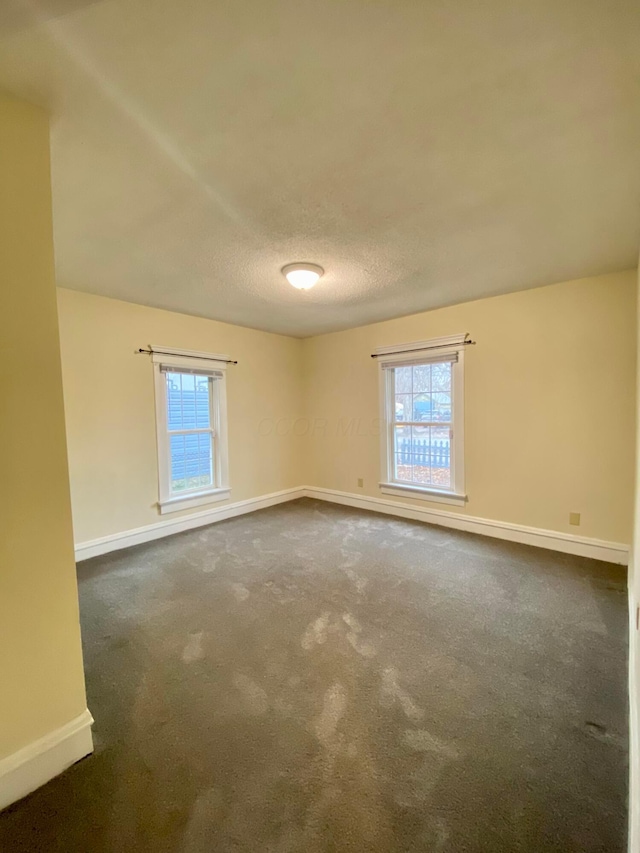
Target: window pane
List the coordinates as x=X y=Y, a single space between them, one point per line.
x=441 y=377
x=441 y=407
x=422 y=377
x=402 y=454
x=420 y=472
x=402 y=440
x=191 y=462
x=205 y=459
x=178 y=472
x=403 y=407
x=174 y=400
x=203 y=409
x=403 y=457
x=187 y=401
x=422 y=407
x=402 y=377
x=440 y=457
x=191 y=458
x=403 y=469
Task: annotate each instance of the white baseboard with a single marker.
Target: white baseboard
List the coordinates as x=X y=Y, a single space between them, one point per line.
x=38 y=762
x=611 y=552
x=568 y=543
x=116 y=541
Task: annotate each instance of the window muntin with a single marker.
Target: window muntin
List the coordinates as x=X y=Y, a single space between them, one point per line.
x=192 y=438
x=422 y=415
x=422 y=426
x=191 y=425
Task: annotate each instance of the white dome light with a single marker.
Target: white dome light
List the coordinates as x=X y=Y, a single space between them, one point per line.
x=302 y=276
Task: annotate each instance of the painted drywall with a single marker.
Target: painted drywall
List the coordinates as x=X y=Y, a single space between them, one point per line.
x=634 y=644
x=110 y=411
x=549 y=404
x=550 y=399
x=41 y=676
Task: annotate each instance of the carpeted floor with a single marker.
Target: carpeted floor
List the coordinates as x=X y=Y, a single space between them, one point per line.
x=311 y=679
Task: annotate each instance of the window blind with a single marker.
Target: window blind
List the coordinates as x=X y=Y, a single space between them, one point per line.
x=449 y=357
x=195 y=371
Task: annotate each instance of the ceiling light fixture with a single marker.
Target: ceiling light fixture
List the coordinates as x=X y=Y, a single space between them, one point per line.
x=302 y=276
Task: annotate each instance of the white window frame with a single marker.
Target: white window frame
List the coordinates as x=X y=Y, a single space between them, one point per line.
x=423 y=352
x=183 y=360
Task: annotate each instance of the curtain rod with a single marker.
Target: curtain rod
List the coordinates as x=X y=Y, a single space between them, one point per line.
x=203 y=357
x=464 y=343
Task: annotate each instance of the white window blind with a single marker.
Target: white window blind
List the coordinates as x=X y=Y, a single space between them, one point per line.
x=194 y=371
x=426 y=359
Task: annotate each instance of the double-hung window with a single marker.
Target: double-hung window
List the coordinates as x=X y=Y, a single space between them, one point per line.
x=191 y=425
x=422 y=407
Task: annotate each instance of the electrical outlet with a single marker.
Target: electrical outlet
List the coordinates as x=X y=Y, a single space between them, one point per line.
x=360 y=482
x=574 y=518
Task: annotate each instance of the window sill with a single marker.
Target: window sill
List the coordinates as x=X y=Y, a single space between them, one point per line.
x=435 y=495
x=193 y=500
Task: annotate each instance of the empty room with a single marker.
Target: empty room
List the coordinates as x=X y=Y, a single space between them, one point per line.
x=319 y=426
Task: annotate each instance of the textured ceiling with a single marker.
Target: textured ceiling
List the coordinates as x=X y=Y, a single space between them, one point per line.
x=424 y=153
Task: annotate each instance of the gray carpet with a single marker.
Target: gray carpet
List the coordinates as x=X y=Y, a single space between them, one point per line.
x=311 y=678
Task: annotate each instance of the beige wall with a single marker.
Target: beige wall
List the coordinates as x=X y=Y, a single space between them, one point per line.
x=550 y=402
x=41 y=678
x=634 y=643
x=110 y=412
x=549 y=396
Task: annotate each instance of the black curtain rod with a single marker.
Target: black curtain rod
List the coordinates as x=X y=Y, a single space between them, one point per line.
x=203 y=357
x=464 y=343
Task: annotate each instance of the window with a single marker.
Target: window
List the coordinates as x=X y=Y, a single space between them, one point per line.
x=191 y=428
x=423 y=419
